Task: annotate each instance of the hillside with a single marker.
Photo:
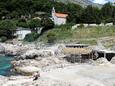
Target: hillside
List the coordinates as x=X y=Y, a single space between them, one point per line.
x=84 y=35
x=83 y=3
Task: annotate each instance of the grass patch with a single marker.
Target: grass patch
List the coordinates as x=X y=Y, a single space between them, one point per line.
x=94 y=32
x=84 y=35
x=92 y=42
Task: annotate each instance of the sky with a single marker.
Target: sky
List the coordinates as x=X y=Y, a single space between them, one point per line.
x=103 y=1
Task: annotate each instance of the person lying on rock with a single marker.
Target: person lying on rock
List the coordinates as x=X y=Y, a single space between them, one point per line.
x=36 y=75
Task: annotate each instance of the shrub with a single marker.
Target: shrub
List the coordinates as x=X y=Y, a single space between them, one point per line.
x=8 y=27
x=51 y=37
x=81 y=26
x=31 y=37
x=22 y=23
x=67 y=26
x=3 y=39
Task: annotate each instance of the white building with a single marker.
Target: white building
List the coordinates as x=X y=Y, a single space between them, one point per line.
x=58 y=18
x=21 y=33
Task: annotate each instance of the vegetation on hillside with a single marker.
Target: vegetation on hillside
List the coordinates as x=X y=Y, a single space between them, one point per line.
x=16 y=9
x=83 y=35
x=23 y=13
x=7 y=28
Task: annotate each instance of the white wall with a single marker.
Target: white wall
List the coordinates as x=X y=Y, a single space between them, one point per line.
x=61 y=21
x=22 y=33
x=57 y=20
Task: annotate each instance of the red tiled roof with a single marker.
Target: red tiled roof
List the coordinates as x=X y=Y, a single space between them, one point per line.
x=61 y=15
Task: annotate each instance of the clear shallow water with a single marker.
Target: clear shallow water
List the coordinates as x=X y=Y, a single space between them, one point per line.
x=5 y=65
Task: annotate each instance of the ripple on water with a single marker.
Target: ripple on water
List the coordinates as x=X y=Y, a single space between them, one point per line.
x=5 y=65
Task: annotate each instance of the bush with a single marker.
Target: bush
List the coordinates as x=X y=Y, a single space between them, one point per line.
x=107 y=20
x=8 y=27
x=31 y=37
x=22 y=23
x=3 y=39
x=67 y=26
x=51 y=37
x=81 y=26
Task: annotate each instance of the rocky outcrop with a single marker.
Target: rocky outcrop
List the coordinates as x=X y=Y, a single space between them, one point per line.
x=29 y=51
x=2 y=49
x=32 y=54
x=100 y=61
x=40 y=63
x=14 y=50
x=113 y=60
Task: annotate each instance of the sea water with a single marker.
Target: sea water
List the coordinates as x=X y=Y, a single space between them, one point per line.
x=5 y=65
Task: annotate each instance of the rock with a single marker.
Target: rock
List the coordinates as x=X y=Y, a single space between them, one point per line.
x=27 y=70
x=101 y=61
x=45 y=53
x=2 y=49
x=32 y=54
x=113 y=48
x=2 y=80
x=15 y=49
x=113 y=60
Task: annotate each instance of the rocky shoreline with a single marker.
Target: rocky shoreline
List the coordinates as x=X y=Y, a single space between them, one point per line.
x=32 y=57
x=49 y=60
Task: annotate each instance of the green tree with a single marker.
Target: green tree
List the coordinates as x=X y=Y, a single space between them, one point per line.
x=46 y=24
x=7 y=28
x=74 y=12
x=107 y=12
x=31 y=37
x=91 y=15
x=34 y=24
x=22 y=23
x=113 y=15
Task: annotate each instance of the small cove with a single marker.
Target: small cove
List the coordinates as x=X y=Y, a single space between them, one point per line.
x=5 y=65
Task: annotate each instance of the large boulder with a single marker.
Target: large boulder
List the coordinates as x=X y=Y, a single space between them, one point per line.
x=27 y=70
x=2 y=49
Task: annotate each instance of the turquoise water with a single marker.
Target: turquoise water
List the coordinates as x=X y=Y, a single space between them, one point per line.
x=5 y=65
